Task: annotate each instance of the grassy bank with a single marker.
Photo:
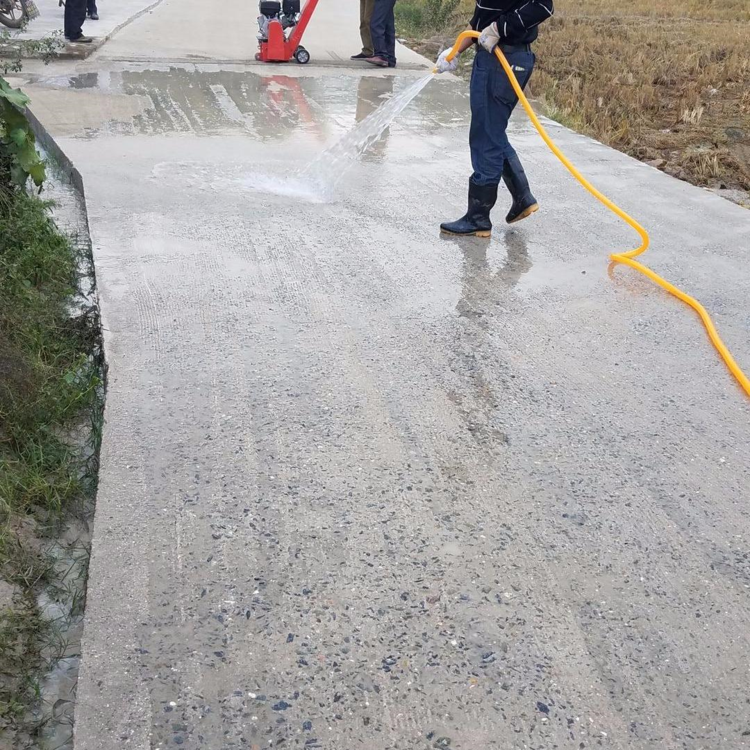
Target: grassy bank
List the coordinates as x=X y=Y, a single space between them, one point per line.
x=49 y=381
x=668 y=82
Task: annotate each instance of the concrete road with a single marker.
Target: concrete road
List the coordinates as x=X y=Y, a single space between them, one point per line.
x=366 y=487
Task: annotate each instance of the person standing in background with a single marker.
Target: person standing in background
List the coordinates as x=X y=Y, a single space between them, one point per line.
x=366 y=8
x=75 y=15
x=91 y=10
x=383 y=30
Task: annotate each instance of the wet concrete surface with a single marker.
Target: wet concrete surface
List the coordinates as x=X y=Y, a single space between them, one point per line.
x=365 y=486
x=208 y=100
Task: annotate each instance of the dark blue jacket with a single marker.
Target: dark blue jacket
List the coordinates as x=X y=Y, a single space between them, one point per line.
x=517 y=20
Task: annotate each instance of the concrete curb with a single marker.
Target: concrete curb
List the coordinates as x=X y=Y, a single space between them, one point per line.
x=51 y=146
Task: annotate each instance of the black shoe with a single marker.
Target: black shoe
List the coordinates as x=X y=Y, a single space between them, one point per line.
x=391 y=64
x=476 y=221
x=360 y=56
x=81 y=39
x=524 y=203
x=94 y=16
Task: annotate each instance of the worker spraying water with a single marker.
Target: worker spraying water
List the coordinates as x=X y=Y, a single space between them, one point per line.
x=482 y=196
x=513 y=26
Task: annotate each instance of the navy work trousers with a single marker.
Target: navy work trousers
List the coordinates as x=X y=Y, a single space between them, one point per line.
x=383 y=30
x=492 y=103
x=75 y=15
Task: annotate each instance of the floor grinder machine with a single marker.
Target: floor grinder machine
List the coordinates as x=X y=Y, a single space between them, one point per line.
x=281 y=28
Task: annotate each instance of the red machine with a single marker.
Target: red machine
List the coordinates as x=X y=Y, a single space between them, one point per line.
x=277 y=42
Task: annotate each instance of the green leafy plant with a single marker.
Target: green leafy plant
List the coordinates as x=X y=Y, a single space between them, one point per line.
x=17 y=141
x=14 y=50
x=19 y=158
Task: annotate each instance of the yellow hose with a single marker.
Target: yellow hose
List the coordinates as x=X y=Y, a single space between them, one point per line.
x=625 y=258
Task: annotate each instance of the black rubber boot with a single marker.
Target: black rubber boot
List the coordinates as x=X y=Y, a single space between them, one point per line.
x=476 y=221
x=524 y=203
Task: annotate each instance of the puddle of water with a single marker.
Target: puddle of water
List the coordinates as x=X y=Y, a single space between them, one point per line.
x=318 y=180
x=204 y=100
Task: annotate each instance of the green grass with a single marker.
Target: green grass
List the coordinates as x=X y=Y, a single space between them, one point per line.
x=49 y=381
x=21 y=630
x=419 y=17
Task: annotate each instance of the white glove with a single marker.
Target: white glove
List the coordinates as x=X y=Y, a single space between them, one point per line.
x=444 y=65
x=490 y=38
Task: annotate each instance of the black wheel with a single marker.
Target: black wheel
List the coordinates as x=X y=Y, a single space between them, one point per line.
x=12 y=13
x=302 y=56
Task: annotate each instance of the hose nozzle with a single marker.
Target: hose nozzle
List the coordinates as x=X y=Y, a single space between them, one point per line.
x=468 y=34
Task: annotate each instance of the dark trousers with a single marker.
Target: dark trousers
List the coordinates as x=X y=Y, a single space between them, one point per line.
x=383 y=30
x=366 y=8
x=75 y=15
x=91 y=7
x=492 y=103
